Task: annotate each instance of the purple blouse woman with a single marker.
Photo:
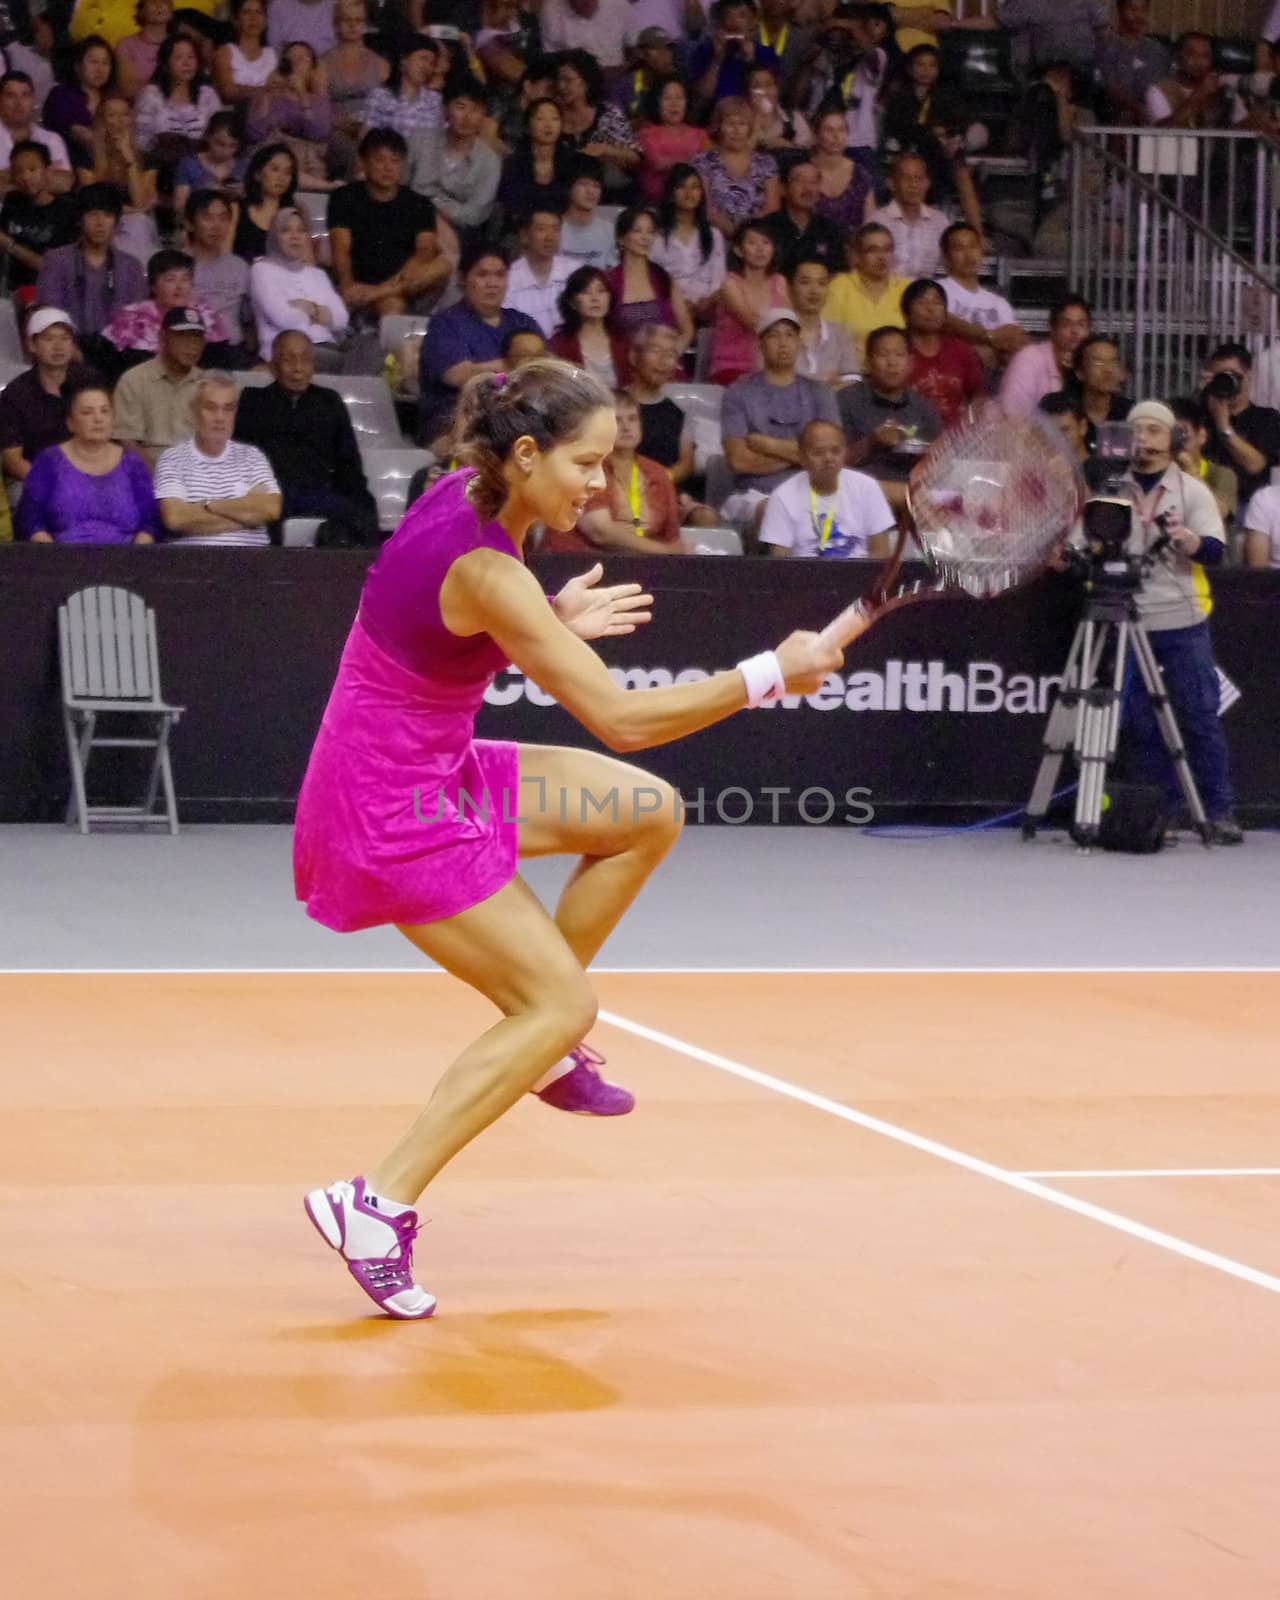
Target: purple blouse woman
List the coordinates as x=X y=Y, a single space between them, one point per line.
x=740 y=181
x=88 y=490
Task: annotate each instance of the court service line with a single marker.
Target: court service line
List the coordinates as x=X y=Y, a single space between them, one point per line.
x=947 y=1153
x=1161 y=1172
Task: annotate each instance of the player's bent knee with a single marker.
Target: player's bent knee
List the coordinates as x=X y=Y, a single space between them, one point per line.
x=574 y=1013
x=657 y=811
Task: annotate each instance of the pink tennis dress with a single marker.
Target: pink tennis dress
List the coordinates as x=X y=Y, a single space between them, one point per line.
x=404 y=816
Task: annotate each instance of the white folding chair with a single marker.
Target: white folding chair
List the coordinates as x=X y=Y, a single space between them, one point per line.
x=370 y=407
x=107 y=652
x=388 y=473
x=713 y=541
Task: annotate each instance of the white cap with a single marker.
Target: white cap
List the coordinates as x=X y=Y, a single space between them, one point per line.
x=1153 y=411
x=47 y=317
x=776 y=314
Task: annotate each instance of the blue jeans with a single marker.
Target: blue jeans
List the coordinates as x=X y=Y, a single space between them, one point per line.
x=1185 y=656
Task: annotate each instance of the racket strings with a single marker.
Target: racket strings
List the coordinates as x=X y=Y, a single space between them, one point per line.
x=992 y=501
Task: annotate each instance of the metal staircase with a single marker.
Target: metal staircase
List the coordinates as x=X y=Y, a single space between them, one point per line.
x=1175 y=240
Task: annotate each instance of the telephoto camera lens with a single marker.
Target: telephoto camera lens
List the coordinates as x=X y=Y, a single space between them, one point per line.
x=1223 y=386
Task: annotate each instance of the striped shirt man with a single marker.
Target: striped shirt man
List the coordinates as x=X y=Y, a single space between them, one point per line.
x=186 y=473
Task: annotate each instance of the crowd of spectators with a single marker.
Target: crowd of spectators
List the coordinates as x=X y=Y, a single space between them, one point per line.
x=778 y=199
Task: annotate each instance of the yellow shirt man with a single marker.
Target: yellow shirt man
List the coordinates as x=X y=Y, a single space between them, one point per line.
x=851 y=302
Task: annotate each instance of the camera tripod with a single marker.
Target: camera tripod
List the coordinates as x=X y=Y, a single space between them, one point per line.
x=1086 y=715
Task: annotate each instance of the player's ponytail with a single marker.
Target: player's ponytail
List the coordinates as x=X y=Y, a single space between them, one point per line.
x=545 y=400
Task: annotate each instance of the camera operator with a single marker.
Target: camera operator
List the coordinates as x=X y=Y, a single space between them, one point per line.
x=1242 y=436
x=1175 y=523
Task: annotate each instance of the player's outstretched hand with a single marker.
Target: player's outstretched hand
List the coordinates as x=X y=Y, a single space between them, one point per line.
x=805 y=659
x=594 y=613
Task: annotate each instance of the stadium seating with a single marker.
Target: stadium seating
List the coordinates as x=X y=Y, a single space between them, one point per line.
x=368 y=401
x=388 y=473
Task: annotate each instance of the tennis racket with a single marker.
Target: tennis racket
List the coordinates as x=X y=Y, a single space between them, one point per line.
x=991 y=504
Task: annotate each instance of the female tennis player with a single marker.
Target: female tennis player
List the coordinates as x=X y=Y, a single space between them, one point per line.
x=405 y=818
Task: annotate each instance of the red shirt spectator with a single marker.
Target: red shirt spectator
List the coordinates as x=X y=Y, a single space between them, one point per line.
x=946 y=371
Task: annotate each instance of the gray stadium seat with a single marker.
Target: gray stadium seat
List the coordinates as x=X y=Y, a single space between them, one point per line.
x=370 y=407
x=314 y=205
x=388 y=473
x=299 y=533
x=713 y=541
x=698 y=399
x=391 y=330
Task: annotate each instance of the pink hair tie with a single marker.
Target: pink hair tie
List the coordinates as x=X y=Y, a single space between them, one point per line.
x=499 y=378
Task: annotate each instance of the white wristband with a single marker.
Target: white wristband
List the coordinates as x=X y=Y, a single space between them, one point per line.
x=763 y=677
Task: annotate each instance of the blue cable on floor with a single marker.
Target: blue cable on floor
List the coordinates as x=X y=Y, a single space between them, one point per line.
x=902 y=832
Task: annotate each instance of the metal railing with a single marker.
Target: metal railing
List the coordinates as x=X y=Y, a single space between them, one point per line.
x=1175 y=241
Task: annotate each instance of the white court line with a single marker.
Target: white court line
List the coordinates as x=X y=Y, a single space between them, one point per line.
x=652 y=972
x=955 y=1158
x=1161 y=1172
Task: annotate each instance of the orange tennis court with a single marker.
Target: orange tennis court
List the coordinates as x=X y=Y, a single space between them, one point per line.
x=799 y=1327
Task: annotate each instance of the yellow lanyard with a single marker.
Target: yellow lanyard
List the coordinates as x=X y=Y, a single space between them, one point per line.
x=633 y=496
x=778 y=43
x=821 y=528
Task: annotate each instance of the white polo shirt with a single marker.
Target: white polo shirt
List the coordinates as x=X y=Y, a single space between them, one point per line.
x=539 y=300
x=799 y=519
x=1262 y=515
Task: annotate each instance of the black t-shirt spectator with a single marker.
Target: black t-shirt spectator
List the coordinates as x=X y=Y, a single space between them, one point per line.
x=30 y=417
x=863 y=409
x=39 y=228
x=661 y=428
x=1260 y=427
x=820 y=241
x=384 y=233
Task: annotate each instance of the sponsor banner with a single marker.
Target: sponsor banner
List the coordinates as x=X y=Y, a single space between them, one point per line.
x=976 y=687
x=940 y=710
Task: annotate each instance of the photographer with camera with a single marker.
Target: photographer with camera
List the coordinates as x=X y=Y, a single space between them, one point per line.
x=1175 y=532
x=725 y=55
x=1242 y=436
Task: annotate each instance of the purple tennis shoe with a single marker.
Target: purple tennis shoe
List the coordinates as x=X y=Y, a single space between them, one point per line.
x=583 y=1091
x=375 y=1238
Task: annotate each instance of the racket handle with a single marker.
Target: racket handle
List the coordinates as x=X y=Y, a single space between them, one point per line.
x=851 y=624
